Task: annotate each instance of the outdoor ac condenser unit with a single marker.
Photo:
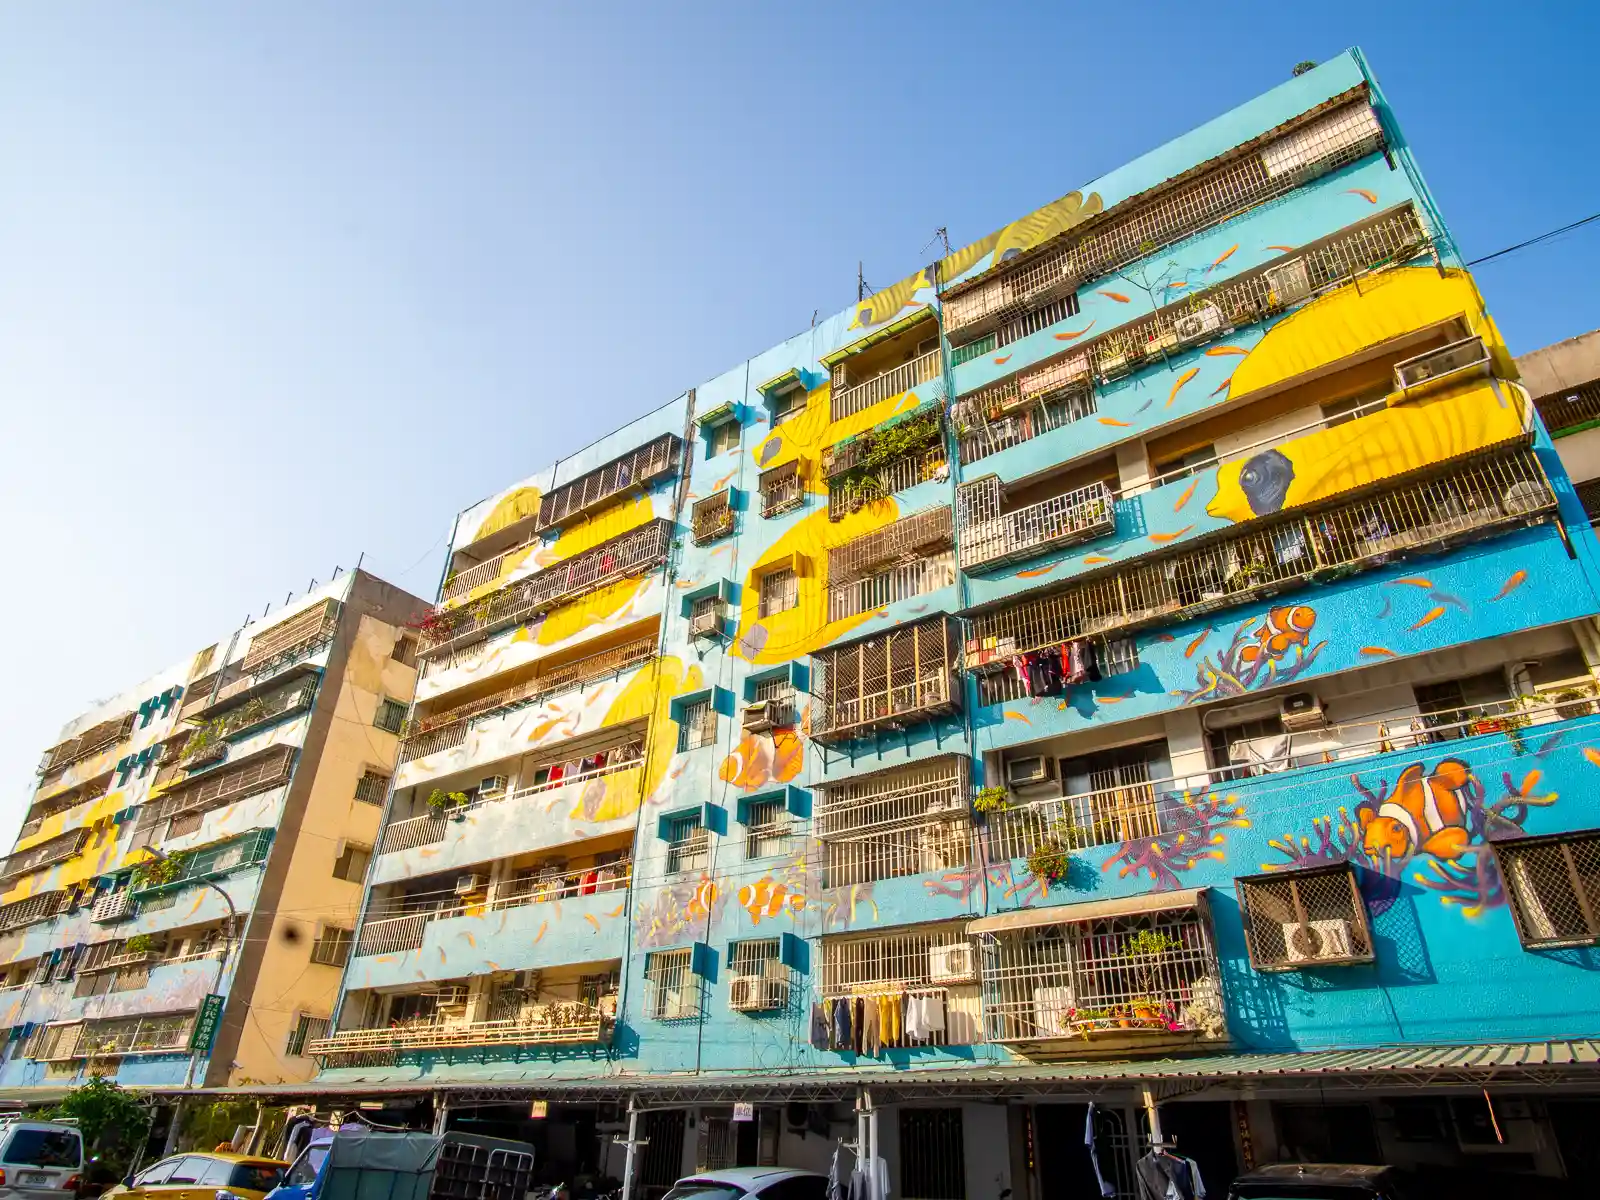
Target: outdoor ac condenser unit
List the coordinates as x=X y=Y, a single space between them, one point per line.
x=1317 y=941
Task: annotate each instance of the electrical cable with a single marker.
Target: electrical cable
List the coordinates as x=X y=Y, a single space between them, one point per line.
x=1534 y=241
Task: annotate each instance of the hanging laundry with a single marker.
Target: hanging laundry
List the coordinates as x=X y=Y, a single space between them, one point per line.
x=819 y=1027
x=1091 y=662
x=1107 y=1189
x=889 y=1020
x=871 y=1027
x=858 y=1023
x=933 y=1015
x=1163 y=1176
x=1019 y=666
x=842 y=1034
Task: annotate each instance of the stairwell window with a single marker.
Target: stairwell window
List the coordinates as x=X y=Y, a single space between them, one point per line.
x=391 y=715
x=780 y=591
x=674 y=988
x=698 y=725
x=351 y=865
x=1296 y=920
x=768 y=832
x=688 y=845
x=372 y=787
x=306 y=1028
x=332 y=947
x=1554 y=887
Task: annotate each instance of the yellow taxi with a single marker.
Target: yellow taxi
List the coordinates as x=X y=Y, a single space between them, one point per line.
x=217 y=1175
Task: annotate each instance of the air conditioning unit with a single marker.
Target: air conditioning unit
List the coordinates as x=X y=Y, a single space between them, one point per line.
x=1317 y=941
x=706 y=624
x=1198 y=325
x=1289 y=282
x=470 y=882
x=1021 y=772
x=453 y=995
x=113 y=906
x=759 y=717
x=1302 y=711
x=757 y=993
x=952 y=964
x=493 y=785
x=1458 y=360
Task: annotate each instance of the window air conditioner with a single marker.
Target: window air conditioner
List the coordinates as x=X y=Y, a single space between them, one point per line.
x=451 y=994
x=1317 y=941
x=1302 y=711
x=1289 y=282
x=470 y=882
x=492 y=785
x=756 y=993
x=1020 y=772
x=113 y=906
x=759 y=717
x=1198 y=325
x=706 y=624
x=1458 y=360
x=952 y=964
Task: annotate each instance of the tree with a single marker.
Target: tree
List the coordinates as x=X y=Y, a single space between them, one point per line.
x=1300 y=68
x=114 y=1123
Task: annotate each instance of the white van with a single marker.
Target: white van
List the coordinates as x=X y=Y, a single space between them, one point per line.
x=40 y=1160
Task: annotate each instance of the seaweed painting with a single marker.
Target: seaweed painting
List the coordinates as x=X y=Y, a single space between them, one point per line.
x=1266 y=651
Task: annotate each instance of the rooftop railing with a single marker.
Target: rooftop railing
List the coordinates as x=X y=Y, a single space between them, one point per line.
x=1571 y=408
x=846 y=402
x=601 y=486
x=569 y=1023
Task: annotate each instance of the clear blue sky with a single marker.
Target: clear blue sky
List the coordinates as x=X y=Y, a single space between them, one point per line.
x=285 y=282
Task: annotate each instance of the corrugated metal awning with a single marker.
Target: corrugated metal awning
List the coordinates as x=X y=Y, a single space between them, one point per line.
x=1093 y=910
x=892 y=329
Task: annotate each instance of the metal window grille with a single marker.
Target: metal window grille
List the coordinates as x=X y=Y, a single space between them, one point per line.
x=990 y=535
x=851 y=495
x=688 y=845
x=306 y=1028
x=759 y=981
x=887 y=681
x=372 y=787
x=91 y=741
x=287 y=640
x=59 y=802
x=1120 y=805
x=1299 y=919
x=1570 y=407
x=782 y=489
x=1314 y=148
x=906 y=959
x=780 y=591
x=778 y=695
x=1006 y=415
x=674 y=990
x=1470 y=500
x=903 y=821
x=602 y=485
x=698 y=726
x=405 y=650
x=221 y=786
x=391 y=715
x=54 y=1043
x=351 y=865
x=57 y=849
x=702 y=607
x=858 y=397
x=906 y=540
x=31 y=909
x=933 y=1164
x=1589 y=496
x=712 y=517
x=206 y=862
x=892 y=585
x=1554 y=887
x=768 y=831
x=332 y=947
x=1154 y=972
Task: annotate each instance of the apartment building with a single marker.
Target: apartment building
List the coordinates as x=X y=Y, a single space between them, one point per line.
x=1564 y=380
x=183 y=892
x=1147 y=653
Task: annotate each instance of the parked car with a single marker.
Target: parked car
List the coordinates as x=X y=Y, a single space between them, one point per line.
x=1346 y=1181
x=301 y=1175
x=40 y=1160
x=208 y=1176
x=761 y=1183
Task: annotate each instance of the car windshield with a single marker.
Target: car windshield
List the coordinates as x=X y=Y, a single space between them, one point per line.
x=257 y=1177
x=44 y=1148
x=306 y=1167
x=705 y=1189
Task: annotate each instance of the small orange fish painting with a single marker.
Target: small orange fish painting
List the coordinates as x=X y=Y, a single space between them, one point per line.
x=1188 y=494
x=1592 y=755
x=1177 y=387
x=1432 y=615
x=1114 y=421
x=1002 y=360
x=1095 y=560
x=1222 y=258
x=1188 y=651
x=1417 y=581
x=1370 y=197
x=1285 y=249
x=1038 y=571
x=1221 y=351
x=1117 y=296
x=1016 y=716
x=1517 y=579
x=1378 y=652
x=1161 y=538
x=1066 y=335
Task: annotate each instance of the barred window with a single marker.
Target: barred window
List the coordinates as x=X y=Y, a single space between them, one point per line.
x=1299 y=919
x=917 y=957
x=768 y=830
x=332 y=946
x=780 y=591
x=405 y=650
x=351 y=865
x=759 y=980
x=712 y=517
x=787 y=403
x=1554 y=886
x=698 y=725
x=306 y=1028
x=674 y=988
x=687 y=845
x=372 y=787
x=391 y=715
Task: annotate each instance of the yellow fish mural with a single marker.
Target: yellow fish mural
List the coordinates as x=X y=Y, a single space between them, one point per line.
x=1045 y=223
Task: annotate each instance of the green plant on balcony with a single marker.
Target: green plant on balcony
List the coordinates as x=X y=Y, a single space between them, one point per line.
x=991 y=799
x=160 y=871
x=1147 y=951
x=442 y=803
x=206 y=744
x=140 y=943
x=1252 y=574
x=1052 y=860
x=251 y=712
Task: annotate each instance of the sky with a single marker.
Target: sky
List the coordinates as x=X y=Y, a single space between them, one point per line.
x=284 y=284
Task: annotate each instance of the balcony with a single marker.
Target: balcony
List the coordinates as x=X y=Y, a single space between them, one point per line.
x=989 y=535
x=1570 y=409
x=558 y=1024
x=59 y=802
x=1472 y=500
x=858 y=397
x=630 y=554
x=447 y=728
x=904 y=821
x=184 y=868
x=168 y=1034
x=886 y=682
x=196 y=794
x=57 y=849
x=598 y=488
x=902 y=452
x=301 y=636
x=393 y=934
x=999 y=299
x=31 y=909
x=91 y=741
x=1026 y=406
x=712 y=518
x=241 y=693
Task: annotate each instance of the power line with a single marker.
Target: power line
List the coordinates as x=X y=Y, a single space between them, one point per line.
x=1534 y=241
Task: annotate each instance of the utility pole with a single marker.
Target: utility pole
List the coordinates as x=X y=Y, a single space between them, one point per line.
x=633 y=1143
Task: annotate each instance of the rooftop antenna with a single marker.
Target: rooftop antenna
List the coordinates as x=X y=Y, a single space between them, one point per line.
x=941 y=235
x=863 y=288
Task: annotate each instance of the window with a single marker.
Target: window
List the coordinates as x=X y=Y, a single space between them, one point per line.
x=932 y=1161
x=778 y=695
x=372 y=787
x=351 y=865
x=688 y=845
x=405 y=650
x=188 y=1170
x=674 y=989
x=391 y=715
x=759 y=980
x=767 y=829
x=705 y=615
x=45 y=1148
x=782 y=489
x=306 y=1028
x=787 y=403
x=1299 y=919
x=332 y=946
x=697 y=726
x=1554 y=886
x=780 y=591
x=724 y=438
x=712 y=517
x=1186 y=464
x=159 y=1173
x=246 y=1178
x=1244 y=742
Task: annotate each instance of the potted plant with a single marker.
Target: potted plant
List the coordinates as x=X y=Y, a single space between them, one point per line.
x=1051 y=860
x=990 y=799
x=206 y=745
x=140 y=943
x=442 y=803
x=1147 y=950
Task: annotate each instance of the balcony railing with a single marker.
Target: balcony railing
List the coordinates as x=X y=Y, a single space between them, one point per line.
x=892 y=585
x=632 y=553
x=487 y=571
x=57 y=849
x=385 y=934
x=782 y=489
x=851 y=494
x=209 y=862
x=31 y=909
x=135 y=1035
x=447 y=728
x=903 y=821
x=90 y=741
x=302 y=634
x=260 y=772
x=570 y=1023
x=430 y=828
x=1021 y=408
x=711 y=518
x=1469 y=501
x=846 y=402
x=988 y=536
x=1570 y=408
x=601 y=486
x=886 y=682
x=60 y=802
x=1274 y=168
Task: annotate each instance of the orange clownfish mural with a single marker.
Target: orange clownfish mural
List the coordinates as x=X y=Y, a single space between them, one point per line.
x=1422 y=814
